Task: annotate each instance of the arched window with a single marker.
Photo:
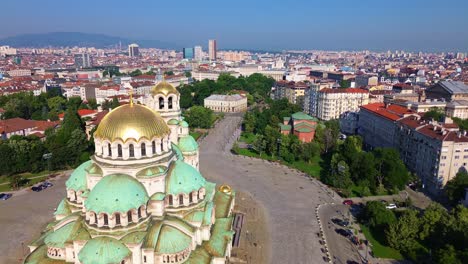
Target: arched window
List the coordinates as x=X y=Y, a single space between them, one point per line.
x=106 y=219
x=109 y=149
x=95 y=218
x=139 y=211
x=191 y=198
x=129 y=216
x=171 y=200
x=153 y=145
x=169 y=103
x=131 y=151
x=143 y=149
x=117 y=218
x=181 y=199
x=119 y=151
x=161 y=103
x=162 y=146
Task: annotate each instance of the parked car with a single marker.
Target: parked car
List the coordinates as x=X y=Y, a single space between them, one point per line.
x=348 y=202
x=5 y=196
x=344 y=232
x=391 y=206
x=340 y=222
x=38 y=188
x=47 y=184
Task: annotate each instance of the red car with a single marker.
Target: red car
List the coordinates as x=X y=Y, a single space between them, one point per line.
x=348 y=202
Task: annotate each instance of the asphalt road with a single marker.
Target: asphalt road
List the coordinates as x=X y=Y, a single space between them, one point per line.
x=288 y=197
x=24 y=216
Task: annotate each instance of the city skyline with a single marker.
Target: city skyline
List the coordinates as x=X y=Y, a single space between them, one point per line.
x=336 y=25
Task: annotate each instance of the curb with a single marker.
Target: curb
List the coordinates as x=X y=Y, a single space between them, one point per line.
x=322 y=234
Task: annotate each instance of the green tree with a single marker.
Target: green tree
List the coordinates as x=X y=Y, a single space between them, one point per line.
x=345 y=83
x=259 y=144
x=377 y=216
x=340 y=176
x=135 y=73
x=115 y=103
x=455 y=188
x=188 y=74
x=199 y=117
x=435 y=114
x=447 y=254
x=402 y=234
x=392 y=172
x=74 y=102
x=168 y=73
x=56 y=104
x=431 y=219
x=92 y=104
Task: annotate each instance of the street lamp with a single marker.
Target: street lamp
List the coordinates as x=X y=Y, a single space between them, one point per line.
x=47 y=157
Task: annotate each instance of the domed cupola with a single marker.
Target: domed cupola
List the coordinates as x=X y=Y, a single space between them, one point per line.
x=116 y=200
x=131 y=131
x=164 y=98
x=184 y=185
x=104 y=250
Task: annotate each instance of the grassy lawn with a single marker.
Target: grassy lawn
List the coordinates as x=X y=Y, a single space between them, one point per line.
x=313 y=168
x=379 y=250
x=41 y=176
x=248 y=138
x=195 y=135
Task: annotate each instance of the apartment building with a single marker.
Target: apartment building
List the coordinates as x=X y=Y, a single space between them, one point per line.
x=329 y=103
x=293 y=91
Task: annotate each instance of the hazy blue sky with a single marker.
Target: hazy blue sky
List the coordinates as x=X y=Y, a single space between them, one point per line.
x=256 y=24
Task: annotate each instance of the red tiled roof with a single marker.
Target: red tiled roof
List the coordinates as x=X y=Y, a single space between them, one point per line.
x=392 y=112
x=15 y=124
x=81 y=112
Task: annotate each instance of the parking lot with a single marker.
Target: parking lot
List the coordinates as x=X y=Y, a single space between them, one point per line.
x=24 y=216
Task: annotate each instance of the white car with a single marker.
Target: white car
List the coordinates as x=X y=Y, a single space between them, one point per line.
x=391 y=206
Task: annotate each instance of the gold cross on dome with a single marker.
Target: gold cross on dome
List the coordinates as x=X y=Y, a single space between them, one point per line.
x=130 y=93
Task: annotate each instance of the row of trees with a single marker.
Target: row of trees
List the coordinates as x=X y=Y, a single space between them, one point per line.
x=374 y=171
x=46 y=106
x=431 y=236
x=199 y=117
x=256 y=84
x=68 y=145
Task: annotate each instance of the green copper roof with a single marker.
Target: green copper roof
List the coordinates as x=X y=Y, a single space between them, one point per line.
x=173 y=122
x=208 y=213
x=159 y=196
x=63 y=208
x=221 y=235
x=285 y=127
x=103 y=250
x=199 y=256
x=194 y=216
x=179 y=154
x=303 y=116
x=286 y=118
x=151 y=172
x=183 y=124
x=134 y=238
x=77 y=180
x=183 y=178
x=39 y=256
x=94 y=169
x=172 y=240
x=188 y=144
x=223 y=203
x=66 y=234
x=116 y=193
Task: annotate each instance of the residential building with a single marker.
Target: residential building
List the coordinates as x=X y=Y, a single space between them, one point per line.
x=311 y=96
x=448 y=90
x=364 y=80
x=212 y=49
x=23 y=127
x=293 y=91
x=133 y=50
x=226 y=103
x=349 y=122
x=329 y=103
x=19 y=72
x=83 y=60
x=7 y=50
x=301 y=125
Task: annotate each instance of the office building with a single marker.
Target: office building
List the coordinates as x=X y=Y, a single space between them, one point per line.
x=226 y=103
x=133 y=50
x=83 y=60
x=188 y=53
x=212 y=49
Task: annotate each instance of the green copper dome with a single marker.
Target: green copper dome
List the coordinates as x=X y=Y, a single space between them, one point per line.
x=188 y=144
x=103 y=250
x=183 y=178
x=116 y=193
x=173 y=122
x=66 y=235
x=183 y=124
x=77 y=180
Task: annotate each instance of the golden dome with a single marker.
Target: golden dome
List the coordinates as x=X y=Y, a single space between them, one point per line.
x=164 y=88
x=132 y=122
x=225 y=189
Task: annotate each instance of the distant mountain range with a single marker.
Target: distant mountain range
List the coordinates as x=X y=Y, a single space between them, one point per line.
x=70 y=39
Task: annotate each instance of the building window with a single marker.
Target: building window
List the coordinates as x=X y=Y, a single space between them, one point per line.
x=169 y=103
x=119 y=151
x=457 y=157
x=442 y=164
x=162 y=146
x=443 y=157
x=143 y=149
x=161 y=103
x=109 y=149
x=153 y=146
x=457 y=150
x=131 y=151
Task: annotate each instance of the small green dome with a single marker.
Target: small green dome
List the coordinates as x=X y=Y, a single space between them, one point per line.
x=183 y=124
x=94 y=169
x=159 y=196
x=171 y=240
x=188 y=144
x=173 y=122
x=103 y=250
x=183 y=178
x=116 y=193
x=77 y=180
x=151 y=172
